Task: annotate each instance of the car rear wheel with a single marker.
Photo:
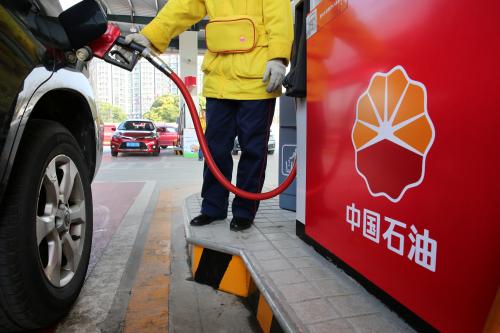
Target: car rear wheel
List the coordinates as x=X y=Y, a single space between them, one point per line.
x=45 y=229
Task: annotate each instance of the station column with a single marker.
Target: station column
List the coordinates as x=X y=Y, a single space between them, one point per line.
x=188 y=67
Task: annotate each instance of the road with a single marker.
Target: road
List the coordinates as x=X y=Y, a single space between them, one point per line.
x=139 y=277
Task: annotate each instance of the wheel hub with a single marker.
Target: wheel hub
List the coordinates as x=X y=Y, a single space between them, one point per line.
x=60 y=221
x=63 y=218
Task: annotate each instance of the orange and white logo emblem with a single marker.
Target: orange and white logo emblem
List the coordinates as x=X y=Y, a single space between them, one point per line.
x=393 y=134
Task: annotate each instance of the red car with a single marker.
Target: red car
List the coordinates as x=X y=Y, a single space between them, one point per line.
x=135 y=136
x=168 y=136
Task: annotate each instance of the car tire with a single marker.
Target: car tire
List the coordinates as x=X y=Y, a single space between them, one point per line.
x=114 y=153
x=163 y=147
x=270 y=152
x=157 y=151
x=31 y=263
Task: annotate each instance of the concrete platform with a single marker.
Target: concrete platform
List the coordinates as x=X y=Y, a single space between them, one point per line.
x=305 y=292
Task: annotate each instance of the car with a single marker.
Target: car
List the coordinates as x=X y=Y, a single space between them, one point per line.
x=135 y=136
x=168 y=136
x=271 y=144
x=50 y=151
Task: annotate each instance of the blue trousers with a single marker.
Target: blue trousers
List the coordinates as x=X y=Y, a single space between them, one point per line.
x=251 y=121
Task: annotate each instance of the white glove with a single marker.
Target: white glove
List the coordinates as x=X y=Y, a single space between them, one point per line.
x=275 y=73
x=136 y=38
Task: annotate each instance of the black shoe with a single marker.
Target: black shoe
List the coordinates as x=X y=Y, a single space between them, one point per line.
x=204 y=220
x=239 y=224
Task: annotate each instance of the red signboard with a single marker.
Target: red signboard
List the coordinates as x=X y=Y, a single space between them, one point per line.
x=403 y=174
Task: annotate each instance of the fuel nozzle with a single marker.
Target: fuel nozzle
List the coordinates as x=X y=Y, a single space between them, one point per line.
x=112 y=48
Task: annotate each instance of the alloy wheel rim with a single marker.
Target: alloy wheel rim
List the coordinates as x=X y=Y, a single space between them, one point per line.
x=60 y=221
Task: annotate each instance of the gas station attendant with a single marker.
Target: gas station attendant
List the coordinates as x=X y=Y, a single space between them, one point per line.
x=249 y=45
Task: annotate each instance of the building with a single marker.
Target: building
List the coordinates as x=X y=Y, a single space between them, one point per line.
x=100 y=79
x=134 y=92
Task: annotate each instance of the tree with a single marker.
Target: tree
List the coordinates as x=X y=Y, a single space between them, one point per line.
x=110 y=113
x=164 y=109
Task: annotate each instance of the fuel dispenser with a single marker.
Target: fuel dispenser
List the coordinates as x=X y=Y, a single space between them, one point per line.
x=402 y=170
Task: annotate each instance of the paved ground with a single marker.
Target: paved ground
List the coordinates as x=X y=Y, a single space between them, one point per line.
x=139 y=279
x=306 y=292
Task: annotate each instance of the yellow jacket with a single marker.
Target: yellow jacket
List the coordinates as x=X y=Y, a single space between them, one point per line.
x=237 y=75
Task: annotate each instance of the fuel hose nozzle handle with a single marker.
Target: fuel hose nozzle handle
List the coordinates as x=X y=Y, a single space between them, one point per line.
x=132 y=46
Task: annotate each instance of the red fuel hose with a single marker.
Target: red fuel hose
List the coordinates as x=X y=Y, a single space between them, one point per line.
x=208 y=156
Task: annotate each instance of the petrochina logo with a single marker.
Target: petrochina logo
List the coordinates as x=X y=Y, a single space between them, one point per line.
x=393 y=134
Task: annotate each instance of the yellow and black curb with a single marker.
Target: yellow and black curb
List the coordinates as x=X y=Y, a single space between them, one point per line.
x=262 y=310
x=227 y=272
x=220 y=270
